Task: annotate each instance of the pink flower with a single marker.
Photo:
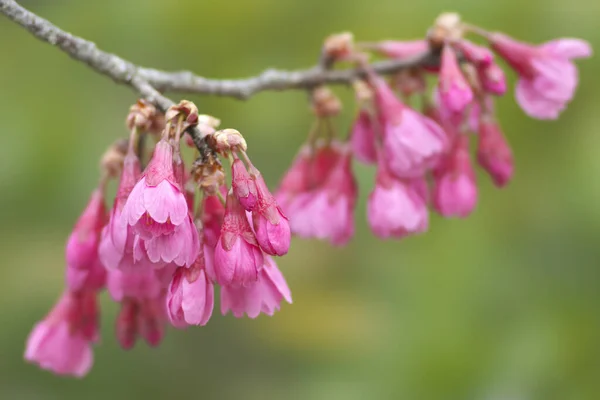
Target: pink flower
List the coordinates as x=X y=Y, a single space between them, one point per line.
x=158 y=212
x=61 y=342
x=116 y=244
x=92 y=278
x=492 y=79
x=264 y=296
x=548 y=77
x=454 y=89
x=145 y=318
x=82 y=245
x=243 y=185
x=138 y=285
x=397 y=208
x=362 y=138
x=412 y=142
x=398 y=49
x=190 y=298
x=455 y=190
x=320 y=200
x=271 y=227
x=494 y=153
x=477 y=55
x=237 y=256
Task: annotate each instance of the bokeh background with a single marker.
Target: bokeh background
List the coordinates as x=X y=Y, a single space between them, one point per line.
x=501 y=306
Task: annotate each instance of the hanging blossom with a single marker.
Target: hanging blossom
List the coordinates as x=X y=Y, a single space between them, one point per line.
x=176 y=231
x=547 y=75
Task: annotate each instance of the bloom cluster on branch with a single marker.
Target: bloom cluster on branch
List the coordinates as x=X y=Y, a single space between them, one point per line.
x=178 y=229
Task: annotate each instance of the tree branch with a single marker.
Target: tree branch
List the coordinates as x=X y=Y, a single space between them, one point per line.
x=148 y=82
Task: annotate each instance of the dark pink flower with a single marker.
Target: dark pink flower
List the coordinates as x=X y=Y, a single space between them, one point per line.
x=454 y=89
x=412 y=143
x=145 y=318
x=455 y=190
x=82 y=245
x=271 y=226
x=548 y=77
x=477 y=55
x=237 y=257
x=396 y=207
x=319 y=194
x=494 y=153
x=243 y=185
x=62 y=342
x=362 y=138
x=190 y=298
x=264 y=296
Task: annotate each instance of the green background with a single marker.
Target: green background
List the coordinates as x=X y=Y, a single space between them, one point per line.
x=501 y=306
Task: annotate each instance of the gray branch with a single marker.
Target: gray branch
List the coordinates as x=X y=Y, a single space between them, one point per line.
x=150 y=82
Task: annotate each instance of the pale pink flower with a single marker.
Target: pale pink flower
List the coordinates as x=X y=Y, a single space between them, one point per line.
x=271 y=226
x=396 y=207
x=548 y=77
x=139 y=285
x=362 y=138
x=399 y=49
x=82 y=245
x=455 y=91
x=92 y=278
x=494 y=153
x=158 y=212
x=455 y=190
x=62 y=342
x=243 y=185
x=321 y=202
x=412 y=143
x=237 y=257
x=264 y=296
x=190 y=298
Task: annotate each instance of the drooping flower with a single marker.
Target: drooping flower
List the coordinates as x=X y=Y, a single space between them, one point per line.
x=82 y=245
x=455 y=190
x=493 y=152
x=243 y=185
x=400 y=49
x=190 y=297
x=397 y=207
x=412 y=143
x=237 y=258
x=116 y=248
x=92 y=278
x=142 y=296
x=62 y=342
x=271 y=226
x=158 y=212
x=454 y=89
x=362 y=138
x=319 y=193
x=265 y=295
x=548 y=77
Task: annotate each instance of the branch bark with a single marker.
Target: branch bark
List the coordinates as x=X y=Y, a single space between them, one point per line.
x=150 y=82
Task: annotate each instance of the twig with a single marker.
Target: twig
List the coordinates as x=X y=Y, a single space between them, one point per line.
x=148 y=82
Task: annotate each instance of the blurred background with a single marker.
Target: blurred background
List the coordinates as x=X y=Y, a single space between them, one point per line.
x=501 y=306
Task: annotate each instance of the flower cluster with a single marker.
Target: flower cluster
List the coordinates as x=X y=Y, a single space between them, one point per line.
x=173 y=233
x=177 y=230
x=422 y=157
